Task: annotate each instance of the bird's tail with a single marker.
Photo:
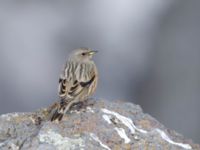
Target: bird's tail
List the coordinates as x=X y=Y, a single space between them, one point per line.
x=57 y=116
x=60 y=111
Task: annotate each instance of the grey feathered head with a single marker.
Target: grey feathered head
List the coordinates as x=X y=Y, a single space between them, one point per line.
x=82 y=54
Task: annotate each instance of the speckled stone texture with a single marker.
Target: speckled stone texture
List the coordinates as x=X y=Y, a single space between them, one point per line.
x=100 y=125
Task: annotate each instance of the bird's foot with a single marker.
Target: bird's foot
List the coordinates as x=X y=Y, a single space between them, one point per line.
x=78 y=106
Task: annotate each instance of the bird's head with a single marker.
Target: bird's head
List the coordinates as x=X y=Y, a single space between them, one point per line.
x=82 y=54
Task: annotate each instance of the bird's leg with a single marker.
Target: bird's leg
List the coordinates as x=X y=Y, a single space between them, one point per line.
x=78 y=106
x=90 y=102
x=83 y=104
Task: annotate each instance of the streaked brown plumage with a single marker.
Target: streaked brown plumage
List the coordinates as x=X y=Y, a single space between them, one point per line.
x=77 y=82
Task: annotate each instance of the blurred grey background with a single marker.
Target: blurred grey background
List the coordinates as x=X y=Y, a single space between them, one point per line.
x=149 y=54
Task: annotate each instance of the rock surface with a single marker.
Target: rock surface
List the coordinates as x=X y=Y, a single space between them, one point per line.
x=102 y=126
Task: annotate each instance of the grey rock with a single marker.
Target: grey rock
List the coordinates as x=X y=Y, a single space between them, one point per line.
x=100 y=125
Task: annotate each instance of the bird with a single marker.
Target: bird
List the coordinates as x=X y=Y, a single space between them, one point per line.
x=77 y=82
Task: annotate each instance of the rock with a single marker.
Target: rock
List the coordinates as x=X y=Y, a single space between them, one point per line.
x=104 y=125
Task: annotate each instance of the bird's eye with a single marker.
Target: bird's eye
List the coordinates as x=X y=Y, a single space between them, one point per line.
x=83 y=54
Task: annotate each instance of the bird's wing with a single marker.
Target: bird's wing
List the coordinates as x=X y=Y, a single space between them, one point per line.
x=83 y=79
x=63 y=86
x=79 y=81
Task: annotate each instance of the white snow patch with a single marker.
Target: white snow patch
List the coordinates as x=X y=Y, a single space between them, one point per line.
x=107 y=118
x=126 y=121
x=62 y=143
x=166 y=138
x=122 y=134
x=129 y=123
x=99 y=141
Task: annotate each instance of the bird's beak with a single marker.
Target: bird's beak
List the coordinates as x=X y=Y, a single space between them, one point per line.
x=92 y=52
